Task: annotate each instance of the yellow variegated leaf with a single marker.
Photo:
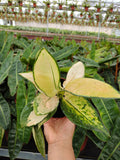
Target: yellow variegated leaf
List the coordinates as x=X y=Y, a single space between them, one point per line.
x=76 y=71
x=46 y=74
x=39 y=139
x=81 y=112
x=43 y=104
x=91 y=88
x=33 y=119
x=29 y=76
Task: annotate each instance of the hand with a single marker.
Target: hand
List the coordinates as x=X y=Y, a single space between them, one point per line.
x=59 y=129
x=59 y=133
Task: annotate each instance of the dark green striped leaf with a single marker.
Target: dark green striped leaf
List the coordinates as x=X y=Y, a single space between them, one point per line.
x=5 y=67
x=92 y=53
x=108 y=110
x=111 y=151
x=28 y=50
x=24 y=115
x=65 y=52
x=13 y=76
x=14 y=144
x=6 y=41
x=21 y=43
x=88 y=62
x=4 y=113
x=95 y=140
x=78 y=139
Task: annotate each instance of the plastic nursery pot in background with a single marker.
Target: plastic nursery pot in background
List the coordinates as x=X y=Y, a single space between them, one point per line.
x=84 y=144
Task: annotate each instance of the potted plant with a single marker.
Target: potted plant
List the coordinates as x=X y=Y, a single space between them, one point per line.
x=20 y=2
x=72 y=15
x=47 y=3
x=81 y=14
x=76 y=108
x=110 y=8
x=72 y=6
x=9 y=2
x=40 y=14
x=98 y=6
x=86 y=5
x=46 y=12
x=90 y=14
x=97 y=16
x=60 y=3
x=26 y=12
x=60 y=6
x=117 y=20
x=34 y=4
x=20 y=9
x=12 y=9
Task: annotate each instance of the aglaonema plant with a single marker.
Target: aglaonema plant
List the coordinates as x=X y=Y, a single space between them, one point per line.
x=72 y=96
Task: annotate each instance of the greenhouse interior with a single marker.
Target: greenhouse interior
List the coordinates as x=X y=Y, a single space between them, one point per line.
x=59 y=63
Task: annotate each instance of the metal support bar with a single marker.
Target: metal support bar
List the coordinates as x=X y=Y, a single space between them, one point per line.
x=47 y=22
x=99 y=30
x=27 y=155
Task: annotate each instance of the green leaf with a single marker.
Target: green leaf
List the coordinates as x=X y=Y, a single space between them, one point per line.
x=88 y=62
x=1 y=135
x=65 y=52
x=95 y=140
x=28 y=50
x=78 y=139
x=111 y=150
x=14 y=144
x=35 y=52
x=6 y=40
x=46 y=74
x=92 y=53
x=118 y=80
x=81 y=112
x=90 y=72
x=89 y=87
x=5 y=67
x=100 y=54
x=39 y=139
x=109 y=77
x=4 y=113
x=24 y=115
x=21 y=101
x=31 y=93
x=109 y=58
x=108 y=110
x=3 y=35
x=21 y=43
x=13 y=76
x=100 y=135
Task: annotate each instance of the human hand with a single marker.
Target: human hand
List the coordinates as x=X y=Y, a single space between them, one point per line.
x=59 y=133
x=59 y=130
